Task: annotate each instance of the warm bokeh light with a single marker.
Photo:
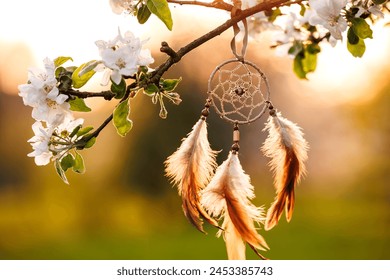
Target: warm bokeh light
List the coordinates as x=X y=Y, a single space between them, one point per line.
x=124 y=207
x=341 y=78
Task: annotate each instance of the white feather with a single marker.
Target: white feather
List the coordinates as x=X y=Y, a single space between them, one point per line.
x=194 y=148
x=283 y=133
x=190 y=168
x=287 y=149
x=228 y=195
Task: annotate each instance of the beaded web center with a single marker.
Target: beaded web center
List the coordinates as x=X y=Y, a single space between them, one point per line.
x=239 y=91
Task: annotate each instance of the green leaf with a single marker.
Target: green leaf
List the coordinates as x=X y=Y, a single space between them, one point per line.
x=89 y=66
x=161 y=9
x=75 y=131
x=361 y=28
x=298 y=67
x=304 y=63
x=275 y=13
x=353 y=39
x=120 y=89
x=84 y=131
x=90 y=143
x=143 y=69
x=303 y=10
x=78 y=165
x=151 y=89
x=357 y=50
x=313 y=48
x=67 y=162
x=121 y=121
x=60 y=71
x=65 y=83
x=78 y=105
x=296 y=48
x=309 y=62
x=61 y=60
x=170 y=84
x=79 y=81
x=70 y=69
x=143 y=14
x=60 y=171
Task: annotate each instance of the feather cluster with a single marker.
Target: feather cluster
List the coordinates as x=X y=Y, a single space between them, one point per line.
x=190 y=168
x=287 y=149
x=228 y=195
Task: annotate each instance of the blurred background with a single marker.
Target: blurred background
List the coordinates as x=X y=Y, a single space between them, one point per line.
x=124 y=207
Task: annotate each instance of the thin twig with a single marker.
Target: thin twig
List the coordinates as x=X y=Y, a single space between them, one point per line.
x=217 y=4
x=129 y=94
x=101 y=127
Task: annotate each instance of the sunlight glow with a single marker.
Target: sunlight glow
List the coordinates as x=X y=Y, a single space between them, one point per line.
x=50 y=30
x=341 y=78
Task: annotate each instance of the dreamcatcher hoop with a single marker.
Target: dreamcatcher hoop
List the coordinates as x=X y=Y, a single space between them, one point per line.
x=239 y=91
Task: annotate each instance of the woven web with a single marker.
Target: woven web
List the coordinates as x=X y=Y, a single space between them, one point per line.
x=238 y=91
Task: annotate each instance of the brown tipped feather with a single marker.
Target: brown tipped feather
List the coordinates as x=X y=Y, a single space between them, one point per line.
x=235 y=246
x=192 y=209
x=287 y=149
x=227 y=196
x=190 y=169
x=243 y=222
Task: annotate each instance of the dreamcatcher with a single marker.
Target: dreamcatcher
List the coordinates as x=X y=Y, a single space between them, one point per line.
x=239 y=92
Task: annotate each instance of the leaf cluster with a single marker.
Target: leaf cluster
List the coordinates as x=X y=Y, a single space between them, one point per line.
x=357 y=33
x=159 y=8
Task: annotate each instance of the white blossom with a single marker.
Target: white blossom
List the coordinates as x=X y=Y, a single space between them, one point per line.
x=122 y=56
x=145 y=57
x=50 y=143
x=290 y=31
x=40 y=143
x=51 y=112
x=42 y=94
x=123 y=6
x=376 y=10
x=66 y=128
x=327 y=13
x=258 y=23
x=40 y=84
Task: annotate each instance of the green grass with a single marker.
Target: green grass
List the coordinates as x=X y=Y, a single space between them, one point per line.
x=347 y=226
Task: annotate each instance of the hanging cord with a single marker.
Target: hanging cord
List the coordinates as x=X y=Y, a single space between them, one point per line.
x=236 y=11
x=271 y=108
x=206 y=110
x=236 y=139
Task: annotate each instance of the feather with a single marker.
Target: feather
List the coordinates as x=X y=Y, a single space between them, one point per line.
x=287 y=149
x=228 y=195
x=235 y=246
x=190 y=168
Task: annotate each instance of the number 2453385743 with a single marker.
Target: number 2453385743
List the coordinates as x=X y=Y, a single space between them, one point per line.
x=241 y=270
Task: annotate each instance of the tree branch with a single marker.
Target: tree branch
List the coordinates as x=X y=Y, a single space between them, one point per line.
x=175 y=57
x=217 y=4
x=129 y=94
x=108 y=95
x=157 y=74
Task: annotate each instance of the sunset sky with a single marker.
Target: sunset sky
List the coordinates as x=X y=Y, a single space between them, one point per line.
x=44 y=28
x=342 y=205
